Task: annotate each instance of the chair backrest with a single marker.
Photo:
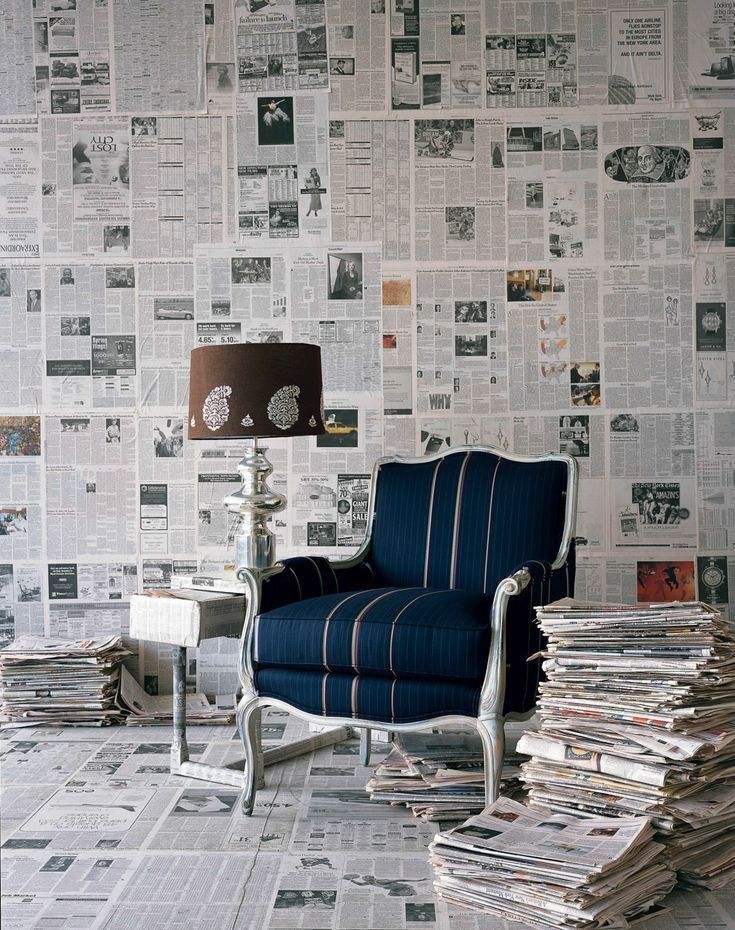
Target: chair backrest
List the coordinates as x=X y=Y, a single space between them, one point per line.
x=466 y=519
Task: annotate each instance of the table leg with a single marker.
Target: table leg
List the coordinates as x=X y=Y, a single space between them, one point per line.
x=179 y=747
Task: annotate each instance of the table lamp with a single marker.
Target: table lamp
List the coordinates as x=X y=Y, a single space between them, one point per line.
x=257 y=391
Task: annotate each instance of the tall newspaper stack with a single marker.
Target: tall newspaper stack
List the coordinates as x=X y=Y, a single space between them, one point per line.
x=637 y=716
x=439 y=776
x=551 y=870
x=58 y=681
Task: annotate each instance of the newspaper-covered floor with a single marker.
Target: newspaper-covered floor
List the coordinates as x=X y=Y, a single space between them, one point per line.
x=97 y=834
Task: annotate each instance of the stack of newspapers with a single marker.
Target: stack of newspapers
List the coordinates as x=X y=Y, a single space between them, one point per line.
x=439 y=776
x=157 y=709
x=550 y=870
x=637 y=716
x=58 y=681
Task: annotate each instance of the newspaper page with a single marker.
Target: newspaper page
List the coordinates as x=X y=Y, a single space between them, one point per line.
x=553 y=189
x=85 y=170
x=21 y=333
x=357 y=55
x=626 y=56
x=371 y=183
x=646 y=186
x=72 y=56
x=329 y=296
x=281 y=45
x=20 y=509
x=16 y=59
x=647 y=335
x=436 y=54
x=459 y=189
x=166 y=330
x=461 y=343
x=166 y=474
x=643 y=579
x=158 y=56
x=530 y=54
x=716 y=447
x=283 y=167
x=713 y=188
x=90 y=599
x=219 y=31
x=653 y=514
x=399 y=346
x=91 y=342
x=20 y=189
x=704 y=34
x=554 y=348
x=90 y=486
x=21 y=608
x=176 y=204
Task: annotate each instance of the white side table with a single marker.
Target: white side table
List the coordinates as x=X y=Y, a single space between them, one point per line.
x=176 y=621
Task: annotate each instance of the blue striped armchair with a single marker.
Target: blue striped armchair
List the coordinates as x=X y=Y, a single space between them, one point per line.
x=430 y=624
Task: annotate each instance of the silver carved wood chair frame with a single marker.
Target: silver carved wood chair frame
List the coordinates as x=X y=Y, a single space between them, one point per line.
x=489 y=720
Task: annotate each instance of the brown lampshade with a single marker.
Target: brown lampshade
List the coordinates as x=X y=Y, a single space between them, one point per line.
x=255 y=389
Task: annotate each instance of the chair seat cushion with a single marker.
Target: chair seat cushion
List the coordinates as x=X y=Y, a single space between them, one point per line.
x=367 y=697
x=393 y=632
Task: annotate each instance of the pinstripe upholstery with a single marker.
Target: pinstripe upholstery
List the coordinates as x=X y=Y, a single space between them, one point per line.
x=416 y=632
x=373 y=697
x=405 y=634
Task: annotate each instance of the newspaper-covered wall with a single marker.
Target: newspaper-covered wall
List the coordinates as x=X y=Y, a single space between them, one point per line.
x=537 y=205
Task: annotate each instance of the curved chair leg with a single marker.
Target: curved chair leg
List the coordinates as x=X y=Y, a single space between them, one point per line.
x=365 y=738
x=492 y=734
x=248 y=721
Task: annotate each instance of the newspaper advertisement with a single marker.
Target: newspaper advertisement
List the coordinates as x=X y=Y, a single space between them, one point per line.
x=357 y=55
x=628 y=57
x=399 y=361
x=90 y=485
x=371 y=183
x=436 y=54
x=553 y=189
x=166 y=330
x=553 y=346
x=647 y=335
x=646 y=187
x=461 y=342
x=158 y=57
x=283 y=167
x=710 y=48
x=715 y=359
x=713 y=191
x=653 y=514
x=651 y=577
x=72 y=57
x=91 y=347
x=20 y=189
x=16 y=60
x=531 y=58
x=21 y=335
x=281 y=45
x=86 y=185
x=459 y=189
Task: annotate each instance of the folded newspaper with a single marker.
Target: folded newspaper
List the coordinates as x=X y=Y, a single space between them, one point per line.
x=439 y=776
x=550 y=870
x=145 y=709
x=637 y=716
x=58 y=681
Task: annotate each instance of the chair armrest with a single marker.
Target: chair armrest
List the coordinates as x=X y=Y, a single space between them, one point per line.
x=304 y=577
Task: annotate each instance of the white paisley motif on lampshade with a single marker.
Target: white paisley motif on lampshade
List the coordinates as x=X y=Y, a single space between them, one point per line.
x=216 y=410
x=283 y=411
